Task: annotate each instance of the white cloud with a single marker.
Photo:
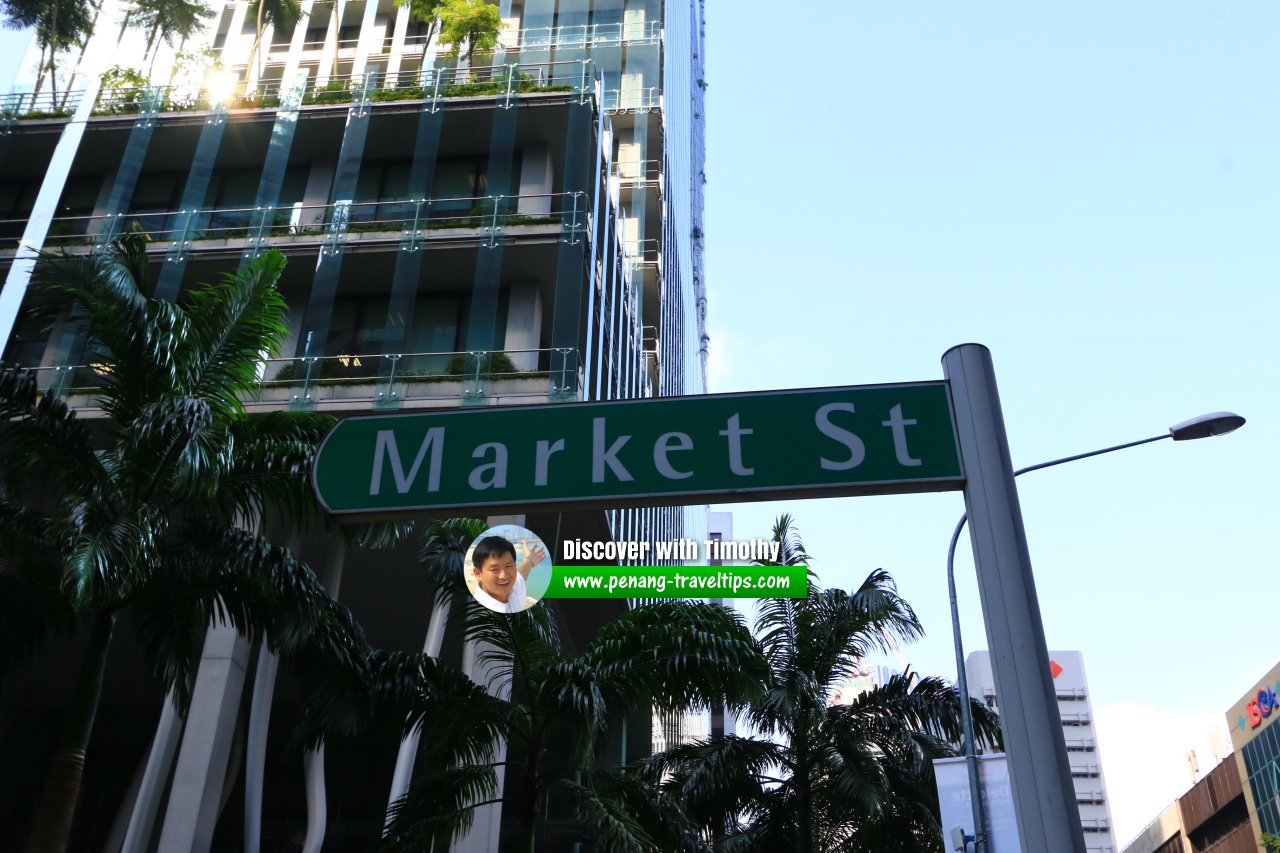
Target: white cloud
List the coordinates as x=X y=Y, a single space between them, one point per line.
x=1144 y=759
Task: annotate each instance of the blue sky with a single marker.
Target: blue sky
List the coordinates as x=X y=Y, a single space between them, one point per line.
x=1090 y=190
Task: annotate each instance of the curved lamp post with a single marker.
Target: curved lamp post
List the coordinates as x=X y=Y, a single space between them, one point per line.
x=1204 y=426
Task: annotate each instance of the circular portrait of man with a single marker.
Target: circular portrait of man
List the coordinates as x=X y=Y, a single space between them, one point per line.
x=507 y=568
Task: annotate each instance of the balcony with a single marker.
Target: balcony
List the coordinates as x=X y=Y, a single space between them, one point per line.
x=505 y=82
x=409 y=222
x=585 y=36
x=353 y=383
x=632 y=100
x=637 y=174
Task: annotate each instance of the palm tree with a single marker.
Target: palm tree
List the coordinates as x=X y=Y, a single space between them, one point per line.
x=59 y=24
x=150 y=510
x=820 y=777
x=280 y=14
x=669 y=657
x=168 y=20
x=426 y=12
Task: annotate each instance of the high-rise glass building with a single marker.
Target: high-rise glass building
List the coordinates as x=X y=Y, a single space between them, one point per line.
x=514 y=226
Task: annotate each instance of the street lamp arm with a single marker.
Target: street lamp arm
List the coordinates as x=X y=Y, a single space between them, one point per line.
x=1078 y=456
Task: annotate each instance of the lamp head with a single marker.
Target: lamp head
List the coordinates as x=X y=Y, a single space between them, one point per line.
x=1205 y=426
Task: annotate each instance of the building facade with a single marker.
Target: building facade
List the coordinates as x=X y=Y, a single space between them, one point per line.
x=1256 y=740
x=521 y=226
x=1078 y=730
x=1210 y=818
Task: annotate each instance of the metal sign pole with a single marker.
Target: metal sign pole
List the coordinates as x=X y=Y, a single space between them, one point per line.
x=1043 y=794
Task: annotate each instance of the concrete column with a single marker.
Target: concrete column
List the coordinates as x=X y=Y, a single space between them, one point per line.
x=408 y=752
x=142 y=819
x=234 y=49
x=486 y=825
x=524 y=325
x=369 y=34
x=51 y=187
x=198 y=780
x=398 y=33
x=330 y=44
x=298 y=40
x=317 y=800
x=535 y=182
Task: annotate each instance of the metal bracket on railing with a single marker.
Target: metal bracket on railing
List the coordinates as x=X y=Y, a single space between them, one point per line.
x=181 y=243
x=564 y=374
x=583 y=88
x=304 y=397
x=386 y=397
x=473 y=377
x=335 y=233
x=60 y=382
x=152 y=100
x=11 y=110
x=431 y=79
x=259 y=232
x=110 y=229
x=411 y=237
x=513 y=86
x=493 y=230
x=362 y=96
x=570 y=225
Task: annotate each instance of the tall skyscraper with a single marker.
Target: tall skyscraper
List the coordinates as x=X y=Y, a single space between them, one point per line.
x=495 y=227
x=1078 y=730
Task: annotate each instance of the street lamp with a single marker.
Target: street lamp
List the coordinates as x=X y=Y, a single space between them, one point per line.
x=1204 y=426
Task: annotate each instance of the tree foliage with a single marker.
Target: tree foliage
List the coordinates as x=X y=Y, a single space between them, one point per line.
x=170 y=21
x=152 y=509
x=818 y=776
x=58 y=25
x=473 y=23
x=671 y=656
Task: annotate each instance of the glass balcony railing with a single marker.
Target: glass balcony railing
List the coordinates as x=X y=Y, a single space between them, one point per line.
x=46 y=104
x=637 y=173
x=380 y=381
x=416 y=220
x=502 y=81
x=583 y=35
x=632 y=100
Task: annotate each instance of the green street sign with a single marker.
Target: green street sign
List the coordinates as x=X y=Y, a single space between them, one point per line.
x=859 y=440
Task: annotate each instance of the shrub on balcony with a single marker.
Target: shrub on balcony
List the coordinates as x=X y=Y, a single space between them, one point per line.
x=464 y=364
x=124 y=90
x=337 y=92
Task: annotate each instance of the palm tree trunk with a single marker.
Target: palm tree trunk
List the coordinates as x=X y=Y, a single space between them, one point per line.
x=529 y=796
x=51 y=826
x=53 y=54
x=151 y=40
x=173 y=72
x=84 y=46
x=803 y=790
x=35 y=93
x=257 y=41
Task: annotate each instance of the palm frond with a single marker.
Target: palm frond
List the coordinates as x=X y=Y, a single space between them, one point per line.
x=234 y=324
x=438 y=808
x=444 y=545
x=632 y=816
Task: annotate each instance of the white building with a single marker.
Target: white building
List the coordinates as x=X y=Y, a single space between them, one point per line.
x=1078 y=731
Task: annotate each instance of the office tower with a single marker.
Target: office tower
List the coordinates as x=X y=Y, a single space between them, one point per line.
x=1078 y=731
x=506 y=227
